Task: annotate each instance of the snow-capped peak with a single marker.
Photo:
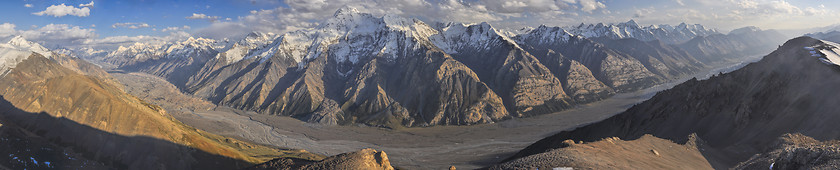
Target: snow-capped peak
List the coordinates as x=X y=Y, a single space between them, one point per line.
x=254 y=41
x=630 y=23
x=631 y=29
x=346 y=10
x=351 y=34
x=17 y=50
x=191 y=47
x=545 y=35
x=19 y=43
x=455 y=36
x=517 y=32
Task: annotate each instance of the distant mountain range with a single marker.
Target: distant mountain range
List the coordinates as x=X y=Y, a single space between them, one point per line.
x=630 y=29
x=394 y=71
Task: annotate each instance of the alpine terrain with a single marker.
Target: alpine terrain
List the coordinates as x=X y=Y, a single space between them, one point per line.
x=768 y=114
x=392 y=71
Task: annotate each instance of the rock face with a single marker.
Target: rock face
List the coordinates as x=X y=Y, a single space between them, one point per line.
x=619 y=71
x=72 y=103
x=738 y=114
x=526 y=86
x=797 y=151
x=363 y=159
x=664 y=60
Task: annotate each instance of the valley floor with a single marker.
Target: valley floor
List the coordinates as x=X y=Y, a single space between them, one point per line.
x=465 y=147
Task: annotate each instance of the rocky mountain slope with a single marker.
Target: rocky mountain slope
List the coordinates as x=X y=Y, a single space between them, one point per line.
x=359 y=68
x=797 y=151
x=737 y=114
x=355 y=68
x=73 y=104
x=647 y=152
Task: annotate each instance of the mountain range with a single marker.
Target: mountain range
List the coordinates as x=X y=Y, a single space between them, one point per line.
x=64 y=112
x=392 y=71
x=772 y=112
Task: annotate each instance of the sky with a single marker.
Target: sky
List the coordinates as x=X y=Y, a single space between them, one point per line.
x=111 y=23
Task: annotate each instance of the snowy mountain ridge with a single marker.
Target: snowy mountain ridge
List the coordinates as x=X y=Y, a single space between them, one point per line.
x=182 y=49
x=17 y=50
x=454 y=36
x=631 y=29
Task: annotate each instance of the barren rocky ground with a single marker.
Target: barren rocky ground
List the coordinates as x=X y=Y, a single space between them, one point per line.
x=465 y=147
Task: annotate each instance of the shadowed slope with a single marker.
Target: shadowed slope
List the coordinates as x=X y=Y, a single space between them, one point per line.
x=737 y=113
x=97 y=118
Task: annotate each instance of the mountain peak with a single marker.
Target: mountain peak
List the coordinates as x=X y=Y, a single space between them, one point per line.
x=631 y=23
x=21 y=43
x=745 y=30
x=346 y=10
x=18 y=39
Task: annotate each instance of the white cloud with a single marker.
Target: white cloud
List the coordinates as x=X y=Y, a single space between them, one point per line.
x=52 y=35
x=220 y=30
x=644 y=12
x=64 y=10
x=7 y=29
x=821 y=10
x=131 y=25
x=203 y=16
x=87 y=5
x=590 y=5
x=167 y=29
x=27 y=5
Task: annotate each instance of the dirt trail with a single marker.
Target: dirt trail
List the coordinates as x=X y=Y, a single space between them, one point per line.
x=465 y=147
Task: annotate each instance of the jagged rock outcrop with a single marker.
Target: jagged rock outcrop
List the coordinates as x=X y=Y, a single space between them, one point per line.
x=796 y=151
x=737 y=114
x=363 y=159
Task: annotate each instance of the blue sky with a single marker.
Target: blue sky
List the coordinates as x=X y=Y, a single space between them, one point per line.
x=159 y=14
x=108 y=23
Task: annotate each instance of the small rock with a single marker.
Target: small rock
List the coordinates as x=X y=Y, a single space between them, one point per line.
x=569 y=142
x=451 y=167
x=654 y=152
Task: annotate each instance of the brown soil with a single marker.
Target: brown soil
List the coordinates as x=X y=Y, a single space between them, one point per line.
x=363 y=159
x=647 y=152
